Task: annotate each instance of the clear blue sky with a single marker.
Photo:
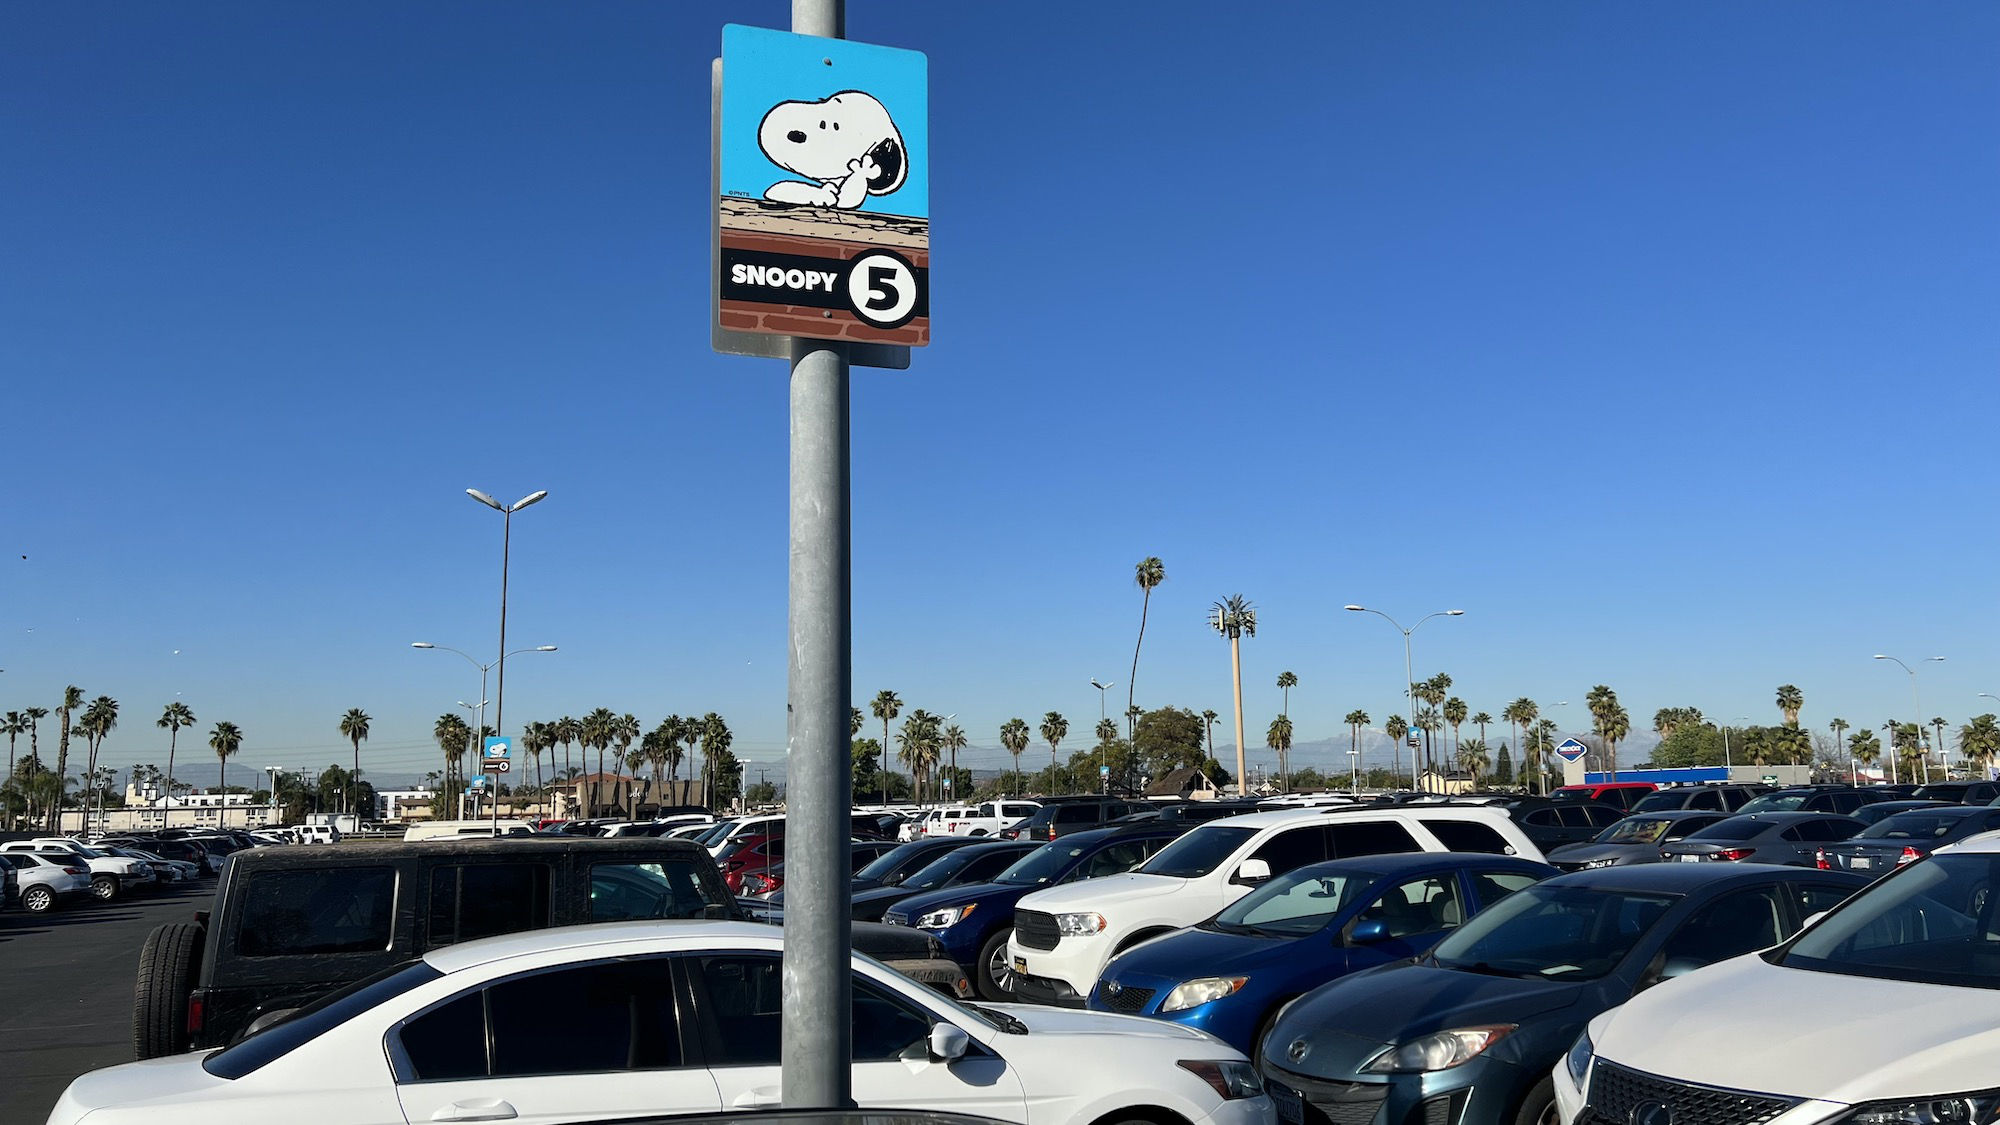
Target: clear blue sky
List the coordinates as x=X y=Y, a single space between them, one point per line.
x=1660 y=338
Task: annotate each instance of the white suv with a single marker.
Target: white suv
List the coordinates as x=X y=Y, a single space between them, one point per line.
x=1880 y=1013
x=1064 y=936
x=988 y=818
x=110 y=875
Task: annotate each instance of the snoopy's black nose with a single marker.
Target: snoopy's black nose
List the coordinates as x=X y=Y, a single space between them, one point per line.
x=796 y=136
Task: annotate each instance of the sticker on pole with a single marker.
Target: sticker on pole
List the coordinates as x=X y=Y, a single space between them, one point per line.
x=495 y=754
x=1571 y=750
x=822 y=212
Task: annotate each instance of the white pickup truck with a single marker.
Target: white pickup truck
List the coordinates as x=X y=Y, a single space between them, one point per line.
x=985 y=819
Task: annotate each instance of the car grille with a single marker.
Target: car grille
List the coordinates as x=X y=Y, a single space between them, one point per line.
x=1337 y=1103
x=1125 y=999
x=1615 y=1091
x=1035 y=929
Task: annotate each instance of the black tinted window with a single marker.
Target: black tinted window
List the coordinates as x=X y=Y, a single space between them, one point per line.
x=1293 y=848
x=740 y=1009
x=1706 y=799
x=1541 y=818
x=317 y=1018
x=1573 y=816
x=479 y=900
x=1379 y=837
x=984 y=868
x=1731 y=925
x=626 y=891
x=1077 y=814
x=327 y=910
x=1467 y=836
x=884 y=1026
x=447 y=1042
x=614 y=1016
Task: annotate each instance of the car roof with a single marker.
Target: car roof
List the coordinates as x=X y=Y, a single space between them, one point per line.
x=1939 y=810
x=1678 y=814
x=461 y=846
x=1264 y=820
x=465 y=955
x=1789 y=817
x=1680 y=878
x=1392 y=864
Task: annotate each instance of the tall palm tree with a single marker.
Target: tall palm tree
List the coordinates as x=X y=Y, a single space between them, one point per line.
x=953 y=741
x=1480 y=720
x=1454 y=713
x=1279 y=739
x=1014 y=739
x=1909 y=746
x=1208 y=717
x=568 y=730
x=1398 y=729
x=1521 y=713
x=34 y=715
x=1541 y=742
x=1864 y=747
x=910 y=749
x=174 y=719
x=1790 y=701
x=600 y=730
x=354 y=728
x=1356 y=719
x=1235 y=618
x=71 y=700
x=715 y=742
x=691 y=730
x=99 y=720
x=1055 y=728
x=885 y=706
x=669 y=731
x=1472 y=759
x=14 y=725
x=1617 y=724
x=534 y=737
x=1148 y=574
x=627 y=730
x=1837 y=726
x=451 y=733
x=1601 y=701
x=1286 y=682
x=1979 y=740
x=226 y=739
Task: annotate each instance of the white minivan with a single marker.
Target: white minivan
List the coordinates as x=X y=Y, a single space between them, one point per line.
x=1881 y=1012
x=1065 y=935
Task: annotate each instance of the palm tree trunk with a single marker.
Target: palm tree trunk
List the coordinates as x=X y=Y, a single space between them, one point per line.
x=1132 y=681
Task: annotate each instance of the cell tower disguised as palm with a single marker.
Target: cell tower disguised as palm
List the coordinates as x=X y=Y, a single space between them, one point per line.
x=1233 y=618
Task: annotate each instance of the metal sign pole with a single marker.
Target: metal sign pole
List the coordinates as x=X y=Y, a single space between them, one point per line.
x=817 y=991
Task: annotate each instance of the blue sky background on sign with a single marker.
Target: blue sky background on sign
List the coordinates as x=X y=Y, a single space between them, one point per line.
x=768 y=71
x=1660 y=339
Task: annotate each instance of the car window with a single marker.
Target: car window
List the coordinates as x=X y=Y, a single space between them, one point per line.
x=1705 y=799
x=616 y=1015
x=1573 y=816
x=1735 y=924
x=479 y=900
x=1817 y=898
x=739 y=998
x=1114 y=858
x=1372 y=837
x=627 y=891
x=447 y=1042
x=1924 y=824
x=983 y=868
x=1569 y=933
x=1294 y=904
x=1293 y=848
x=317 y=1018
x=1640 y=829
x=1602 y=816
x=1076 y=814
x=1467 y=836
x=1492 y=886
x=1541 y=818
x=1420 y=906
x=1199 y=852
x=323 y=910
x=1741 y=827
x=885 y=1026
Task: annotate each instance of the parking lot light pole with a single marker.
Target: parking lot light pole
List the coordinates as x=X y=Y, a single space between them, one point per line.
x=506 y=543
x=1915 y=706
x=1409 y=681
x=1103 y=756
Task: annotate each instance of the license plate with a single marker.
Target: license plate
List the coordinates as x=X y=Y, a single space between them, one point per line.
x=1860 y=862
x=1021 y=965
x=1690 y=859
x=1291 y=1109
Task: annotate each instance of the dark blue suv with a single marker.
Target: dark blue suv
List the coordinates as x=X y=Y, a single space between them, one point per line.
x=974 y=920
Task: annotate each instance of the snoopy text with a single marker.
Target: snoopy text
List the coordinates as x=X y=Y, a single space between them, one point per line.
x=778 y=277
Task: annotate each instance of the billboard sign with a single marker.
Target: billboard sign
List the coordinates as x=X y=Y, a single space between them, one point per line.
x=822 y=210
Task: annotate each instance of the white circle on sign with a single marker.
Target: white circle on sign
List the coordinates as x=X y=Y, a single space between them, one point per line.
x=882 y=289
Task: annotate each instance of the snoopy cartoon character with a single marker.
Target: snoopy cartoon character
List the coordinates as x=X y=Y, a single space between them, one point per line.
x=845 y=143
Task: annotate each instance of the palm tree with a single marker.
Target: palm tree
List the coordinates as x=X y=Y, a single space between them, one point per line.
x=669 y=730
x=226 y=739
x=1286 y=682
x=1472 y=759
x=1014 y=739
x=1148 y=574
x=1522 y=713
x=1864 y=747
x=1432 y=691
x=1541 y=742
x=1356 y=719
x=1454 y=713
x=71 y=700
x=34 y=715
x=691 y=729
x=954 y=741
x=1428 y=722
x=885 y=706
x=99 y=720
x=1836 y=726
x=1943 y=754
x=452 y=734
x=1055 y=728
x=1234 y=618
x=1601 y=701
x=1279 y=738
x=534 y=737
x=915 y=747
x=1480 y=720
x=627 y=730
x=354 y=728
x=1909 y=744
x=715 y=742
x=1397 y=729
x=1617 y=724
x=174 y=719
x=1979 y=740
x=1790 y=700
x=568 y=730
x=14 y=726
x=600 y=730
x=1208 y=717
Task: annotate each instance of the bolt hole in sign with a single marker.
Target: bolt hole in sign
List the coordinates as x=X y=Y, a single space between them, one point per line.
x=823 y=190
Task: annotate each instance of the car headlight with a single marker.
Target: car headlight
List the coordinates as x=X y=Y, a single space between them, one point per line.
x=1075 y=925
x=1200 y=990
x=1229 y=1078
x=946 y=918
x=1946 y=1109
x=1441 y=1051
x=1577 y=1062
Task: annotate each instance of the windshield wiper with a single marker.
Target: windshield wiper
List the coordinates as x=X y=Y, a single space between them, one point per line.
x=1481 y=967
x=1006 y=1023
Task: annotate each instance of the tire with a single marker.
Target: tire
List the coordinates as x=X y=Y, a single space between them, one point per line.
x=104 y=888
x=992 y=956
x=169 y=964
x=1538 y=1106
x=38 y=900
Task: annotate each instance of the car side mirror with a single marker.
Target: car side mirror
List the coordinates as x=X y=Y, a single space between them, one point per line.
x=1252 y=872
x=1668 y=969
x=1368 y=932
x=948 y=1042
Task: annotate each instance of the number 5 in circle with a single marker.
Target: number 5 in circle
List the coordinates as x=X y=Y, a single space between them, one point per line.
x=882 y=289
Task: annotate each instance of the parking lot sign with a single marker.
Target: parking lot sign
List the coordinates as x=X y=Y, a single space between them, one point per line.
x=495 y=755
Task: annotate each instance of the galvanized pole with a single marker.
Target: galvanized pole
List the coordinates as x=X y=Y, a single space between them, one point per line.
x=817 y=1047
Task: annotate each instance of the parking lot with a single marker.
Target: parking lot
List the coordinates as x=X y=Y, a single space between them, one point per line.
x=66 y=978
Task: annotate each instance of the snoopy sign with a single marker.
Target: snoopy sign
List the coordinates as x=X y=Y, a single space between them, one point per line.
x=822 y=220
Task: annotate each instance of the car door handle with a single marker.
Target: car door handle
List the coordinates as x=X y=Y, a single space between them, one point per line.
x=480 y=1109
x=757 y=1099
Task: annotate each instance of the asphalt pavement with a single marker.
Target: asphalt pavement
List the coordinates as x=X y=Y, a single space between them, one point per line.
x=66 y=982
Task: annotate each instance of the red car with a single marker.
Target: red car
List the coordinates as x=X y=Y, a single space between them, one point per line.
x=747 y=854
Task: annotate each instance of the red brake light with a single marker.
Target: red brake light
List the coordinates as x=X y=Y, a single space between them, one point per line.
x=75 y=871
x=1819 y=860
x=1052 y=829
x=1733 y=854
x=194 y=1020
x=1909 y=854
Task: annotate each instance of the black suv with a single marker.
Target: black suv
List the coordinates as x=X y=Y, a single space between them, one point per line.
x=1062 y=816
x=1842 y=799
x=292 y=924
x=1700 y=798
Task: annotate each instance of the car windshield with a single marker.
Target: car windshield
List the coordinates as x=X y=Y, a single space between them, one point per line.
x=1775 y=802
x=709 y=838
x=940 y=870
x=1635 y=830
x=1931 y=923
x=1567 y=933
x=316 y=1018
x=1045 y=864
x=1922 y=825
x=1659 y=802
x=1293 y=904
x=1735 y=828
x=1199 y=852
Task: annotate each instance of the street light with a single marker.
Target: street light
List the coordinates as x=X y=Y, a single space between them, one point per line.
x=1409 y=682
x=479 y=720
x=1102 y=756
x=506 y=543
x=1916 y=706
x=1354 y=768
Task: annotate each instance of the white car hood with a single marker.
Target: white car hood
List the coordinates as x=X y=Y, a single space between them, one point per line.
x=1749 y=1025
x=1096 y=894
x=1070 y=1021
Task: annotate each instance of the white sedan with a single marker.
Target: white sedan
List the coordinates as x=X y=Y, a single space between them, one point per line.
x=645 y=1018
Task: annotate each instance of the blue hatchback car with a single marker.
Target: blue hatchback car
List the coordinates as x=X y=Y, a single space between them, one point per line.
x=1229 y=975
x=973 y=921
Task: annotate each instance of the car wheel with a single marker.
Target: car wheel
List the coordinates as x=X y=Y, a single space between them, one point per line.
x=169 y=964
x=36 y=900
x=991 y=979
x=1539 y=1106
x=103 y=888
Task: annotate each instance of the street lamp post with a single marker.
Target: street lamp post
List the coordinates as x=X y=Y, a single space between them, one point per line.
x=1103 y=757
x=479 y=719
x=1917 y=707
x=1409 y=682
x=506 y=543
x=1354 y=769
